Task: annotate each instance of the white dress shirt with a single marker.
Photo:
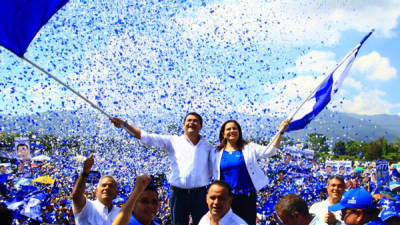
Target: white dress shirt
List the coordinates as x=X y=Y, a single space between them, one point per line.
x=191 y=164
x=251 y=152
x=229 y=218
x=95 y=213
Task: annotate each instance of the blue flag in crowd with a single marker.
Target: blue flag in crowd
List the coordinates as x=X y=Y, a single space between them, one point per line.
x=20 y=20
x=29 y=205
x=316 y=103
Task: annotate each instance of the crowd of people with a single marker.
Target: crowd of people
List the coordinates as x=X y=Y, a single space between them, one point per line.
x=250 y=187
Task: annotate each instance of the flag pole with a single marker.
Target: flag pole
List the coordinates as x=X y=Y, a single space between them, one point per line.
x=73 y=91
x=65 y=85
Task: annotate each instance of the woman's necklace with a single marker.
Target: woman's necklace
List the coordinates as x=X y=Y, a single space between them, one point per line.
x=230 y=150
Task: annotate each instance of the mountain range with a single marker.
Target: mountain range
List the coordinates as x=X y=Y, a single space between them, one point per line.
x=336 y=126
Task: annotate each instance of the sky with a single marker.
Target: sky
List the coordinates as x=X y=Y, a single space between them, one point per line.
x=255 y=57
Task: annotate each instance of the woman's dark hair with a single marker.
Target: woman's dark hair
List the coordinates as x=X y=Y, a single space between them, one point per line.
x=222 y=141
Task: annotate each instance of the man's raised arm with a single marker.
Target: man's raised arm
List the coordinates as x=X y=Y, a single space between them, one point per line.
x=78 y=199
x=123 y=124
x=125 y=213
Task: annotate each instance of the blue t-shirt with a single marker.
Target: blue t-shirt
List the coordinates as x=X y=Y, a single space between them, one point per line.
x=134 y=221
x=234 y=172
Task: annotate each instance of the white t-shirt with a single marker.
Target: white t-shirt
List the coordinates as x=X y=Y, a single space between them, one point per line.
x=95 y=213
x=320 y=209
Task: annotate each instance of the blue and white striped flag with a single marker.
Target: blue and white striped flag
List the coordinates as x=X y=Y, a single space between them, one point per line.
x=321 y=96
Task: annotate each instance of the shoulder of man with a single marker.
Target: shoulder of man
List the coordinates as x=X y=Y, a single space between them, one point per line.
x=204 y=220
x=234 y=218
x=317 y=205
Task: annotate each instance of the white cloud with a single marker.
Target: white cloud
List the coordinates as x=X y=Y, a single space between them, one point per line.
x=353 y=83
x=288 y=22
x=366 y=103
x=376 y=67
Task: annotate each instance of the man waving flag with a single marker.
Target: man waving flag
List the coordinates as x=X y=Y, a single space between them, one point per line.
x=321 y=96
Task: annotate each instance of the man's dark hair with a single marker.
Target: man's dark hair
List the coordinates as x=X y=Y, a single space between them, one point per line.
x=336 y=177
x=222 y=141
x=153 y=189
x=292 y=203
x=196 y=115
x=223 y=184
x=22 y=145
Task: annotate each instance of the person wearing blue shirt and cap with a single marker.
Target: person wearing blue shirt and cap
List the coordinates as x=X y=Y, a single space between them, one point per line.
x=357 y=208
x=390 y=216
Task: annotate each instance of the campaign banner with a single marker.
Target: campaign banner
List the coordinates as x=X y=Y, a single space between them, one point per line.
x=23 y=156
x=297 y=153
x=382 y=172
x=21 y=148
x=308 y=153
x=337 y=167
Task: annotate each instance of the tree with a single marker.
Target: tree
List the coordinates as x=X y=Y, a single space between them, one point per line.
x=391 y=151
x=49 y=141
x=317 y=142
x=374 y=150
x=339 y=149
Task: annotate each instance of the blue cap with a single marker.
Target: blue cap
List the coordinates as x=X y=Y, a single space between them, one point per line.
x=388 y=213
x=357 y=198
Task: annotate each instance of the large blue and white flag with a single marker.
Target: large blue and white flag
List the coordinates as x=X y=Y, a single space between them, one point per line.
x=323 y=94
x=29 y=205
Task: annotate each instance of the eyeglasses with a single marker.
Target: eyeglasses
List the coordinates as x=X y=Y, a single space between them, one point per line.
x=348 y=211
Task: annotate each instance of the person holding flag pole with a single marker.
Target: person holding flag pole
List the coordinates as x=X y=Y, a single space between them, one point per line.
x=21 y=20
x=244 y=175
